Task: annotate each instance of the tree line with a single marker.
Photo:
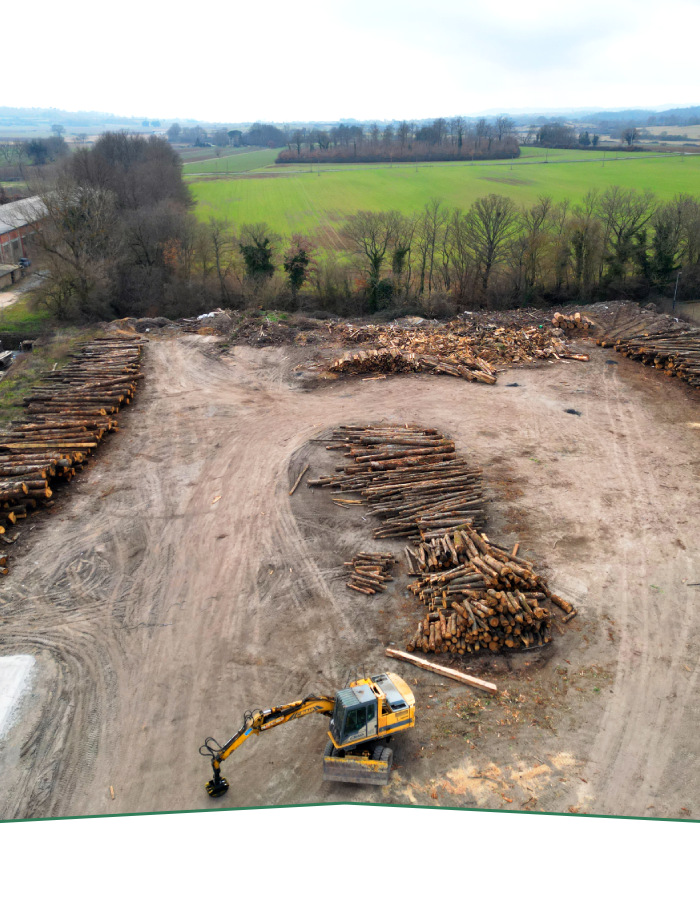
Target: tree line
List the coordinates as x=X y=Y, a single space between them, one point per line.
x=442 y=139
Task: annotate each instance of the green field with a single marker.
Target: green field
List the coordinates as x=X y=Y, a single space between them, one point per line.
x=238 y=161
x=316 y=200
x=23 y=318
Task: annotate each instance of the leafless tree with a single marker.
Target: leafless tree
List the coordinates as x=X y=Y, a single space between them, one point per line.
x=370 y=234
x=624 y=213
x=457 y=131
x=77 y=242
x=492 y=223
x=429 y=237
x=504 y=125
x=404 y=133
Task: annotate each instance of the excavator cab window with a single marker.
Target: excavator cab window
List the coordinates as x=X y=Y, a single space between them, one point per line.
x=355 y=720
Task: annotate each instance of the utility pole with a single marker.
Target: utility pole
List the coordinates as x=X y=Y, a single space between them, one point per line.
x=675 y=290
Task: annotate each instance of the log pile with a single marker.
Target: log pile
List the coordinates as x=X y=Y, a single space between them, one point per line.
x=629 y=322
x=479 y=596
x=470 y=350
x=571 y=323
x=67 y=416
x=411 y=477
x=370 y=572
x=675 y=353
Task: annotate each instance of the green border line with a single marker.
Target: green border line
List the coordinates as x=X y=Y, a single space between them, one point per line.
x=512 y=812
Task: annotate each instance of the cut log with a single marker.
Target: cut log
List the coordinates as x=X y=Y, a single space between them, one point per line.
x=462 y=677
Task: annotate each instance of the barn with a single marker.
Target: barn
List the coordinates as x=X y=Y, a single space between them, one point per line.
x=18 y=222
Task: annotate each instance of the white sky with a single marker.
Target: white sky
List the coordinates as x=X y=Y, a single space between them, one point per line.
x=223 y=60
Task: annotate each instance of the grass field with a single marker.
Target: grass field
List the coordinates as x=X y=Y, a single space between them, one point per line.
x=23 y=318
x=237 y=161
x=317 y=200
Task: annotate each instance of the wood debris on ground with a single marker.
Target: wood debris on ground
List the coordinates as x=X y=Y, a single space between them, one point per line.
x=469 y=350
x=370 y=572
x=68 y=415
x=478 y=595
x=627 y=321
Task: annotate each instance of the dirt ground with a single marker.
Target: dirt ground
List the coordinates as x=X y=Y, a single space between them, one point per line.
x=176 y=584
x=11 y=295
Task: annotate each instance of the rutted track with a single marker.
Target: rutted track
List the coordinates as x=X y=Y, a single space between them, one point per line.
x=158 y=613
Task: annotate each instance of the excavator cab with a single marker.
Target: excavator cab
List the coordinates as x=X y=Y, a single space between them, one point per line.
x=371 y=708
x=365 y=715
x=354 y=717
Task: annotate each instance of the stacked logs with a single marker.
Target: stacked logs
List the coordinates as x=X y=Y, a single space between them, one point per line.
x=479 y=596
x=411 y=477
x=675 y=353
x=392 y=360
x=67 y=416
x=571 y=323
x=370 y=572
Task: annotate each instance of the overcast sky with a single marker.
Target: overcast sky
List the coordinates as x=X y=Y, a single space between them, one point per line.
x=324 y=60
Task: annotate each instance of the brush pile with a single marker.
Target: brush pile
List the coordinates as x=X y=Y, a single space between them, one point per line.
x=630 y=322
x=411 y=477
x=479 y=596
x=67 y=416
x=470 y=350
x=395 y=361
x=370 y=572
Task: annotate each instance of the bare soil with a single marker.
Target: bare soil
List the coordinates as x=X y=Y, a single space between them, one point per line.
x=176 y=584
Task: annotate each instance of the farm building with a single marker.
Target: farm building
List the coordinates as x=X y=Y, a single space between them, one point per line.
x=18 y=221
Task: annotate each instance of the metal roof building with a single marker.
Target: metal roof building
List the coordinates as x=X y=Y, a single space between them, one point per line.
x=18 y=220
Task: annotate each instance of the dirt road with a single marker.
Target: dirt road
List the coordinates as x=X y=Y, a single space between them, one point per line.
x=8 y=296
x=176 y=584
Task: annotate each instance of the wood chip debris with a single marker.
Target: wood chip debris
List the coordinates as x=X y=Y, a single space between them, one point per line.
x=473 y=351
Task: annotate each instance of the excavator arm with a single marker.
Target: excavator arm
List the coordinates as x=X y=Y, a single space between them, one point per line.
x=255 y=721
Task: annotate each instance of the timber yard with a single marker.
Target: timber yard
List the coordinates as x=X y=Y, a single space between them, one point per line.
x=226 y=512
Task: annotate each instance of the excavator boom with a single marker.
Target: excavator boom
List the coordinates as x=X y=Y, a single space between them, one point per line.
x=254 y=722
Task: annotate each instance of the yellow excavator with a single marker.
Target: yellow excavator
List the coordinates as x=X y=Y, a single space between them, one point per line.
x=364 y=716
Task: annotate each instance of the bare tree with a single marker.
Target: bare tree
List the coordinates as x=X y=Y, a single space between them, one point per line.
x=77 y=242
x=482 y=130
x=585 y=238
x=429 y=236
x=492 y=222
x=440 y=129
x=457 y=130
x=370 y=235
x=623 y=214
x=530 y=247
x=401 y=253
x=504 y=125
x=225 y=258
x=404 y=132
